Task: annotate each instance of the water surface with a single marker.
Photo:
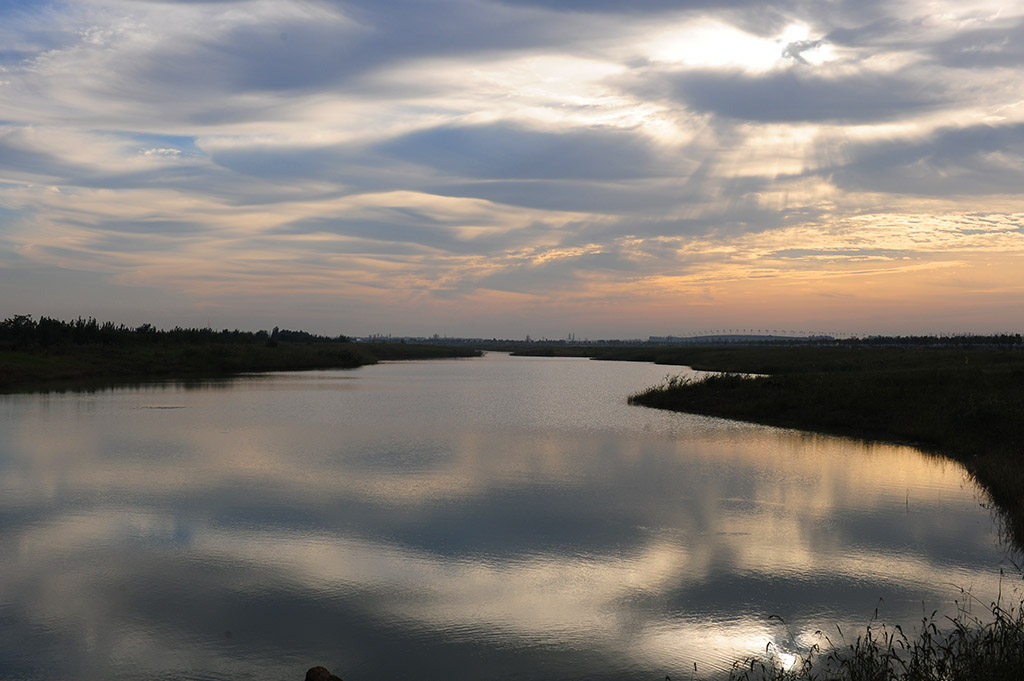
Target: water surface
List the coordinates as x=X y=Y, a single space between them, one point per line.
x=460 y=519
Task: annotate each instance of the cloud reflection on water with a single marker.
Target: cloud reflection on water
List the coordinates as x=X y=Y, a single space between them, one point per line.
x=283 y=515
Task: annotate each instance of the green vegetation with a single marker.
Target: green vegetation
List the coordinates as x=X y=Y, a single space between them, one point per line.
x=966 y=648
x=52 y=354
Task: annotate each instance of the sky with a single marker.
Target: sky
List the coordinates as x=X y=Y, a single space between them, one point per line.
x=499 y=168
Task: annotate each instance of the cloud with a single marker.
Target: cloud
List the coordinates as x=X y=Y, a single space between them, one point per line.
x=632 y=197
x=612 y=7
x=797 y=96
x=1001 y=47
x=328 y=162
x=795 y=49
x=411 y=150
x=404 y=233
x=503 y=151
x=559 y=272
x=969 y=161
x=20 y=158
x=295 y=48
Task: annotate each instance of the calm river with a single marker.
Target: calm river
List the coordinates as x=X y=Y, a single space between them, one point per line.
x=494 y=518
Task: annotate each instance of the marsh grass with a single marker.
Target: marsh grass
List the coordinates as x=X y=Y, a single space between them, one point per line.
x=963 y=647
x=74 y=366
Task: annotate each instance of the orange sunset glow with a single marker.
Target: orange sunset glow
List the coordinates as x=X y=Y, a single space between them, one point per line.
x=497 y=168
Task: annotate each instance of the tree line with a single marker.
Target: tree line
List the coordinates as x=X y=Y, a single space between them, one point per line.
x=22 y=332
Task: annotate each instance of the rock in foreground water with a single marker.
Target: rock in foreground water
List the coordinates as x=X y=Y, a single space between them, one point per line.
x=320 y=674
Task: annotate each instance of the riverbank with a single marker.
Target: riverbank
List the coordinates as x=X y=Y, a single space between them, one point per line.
x=81 y=366
x=965 y=404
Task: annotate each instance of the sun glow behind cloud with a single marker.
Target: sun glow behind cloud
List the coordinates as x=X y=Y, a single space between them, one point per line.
x=679 y=165
x=709 y=43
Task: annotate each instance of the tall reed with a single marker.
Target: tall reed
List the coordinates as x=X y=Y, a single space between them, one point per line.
x=963 y=647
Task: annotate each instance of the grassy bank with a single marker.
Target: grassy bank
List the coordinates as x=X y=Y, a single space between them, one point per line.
x=69 y=366
x=961 y=648
x=965 y=404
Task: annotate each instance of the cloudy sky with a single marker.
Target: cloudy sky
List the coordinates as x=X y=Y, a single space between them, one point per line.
x=512 y=167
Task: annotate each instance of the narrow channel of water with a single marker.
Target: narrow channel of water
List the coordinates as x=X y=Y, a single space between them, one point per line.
x=491 y=518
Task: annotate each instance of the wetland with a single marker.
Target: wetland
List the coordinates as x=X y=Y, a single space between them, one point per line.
x=496 y=517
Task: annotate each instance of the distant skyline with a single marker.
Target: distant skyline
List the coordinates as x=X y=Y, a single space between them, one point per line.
x=498 y=168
